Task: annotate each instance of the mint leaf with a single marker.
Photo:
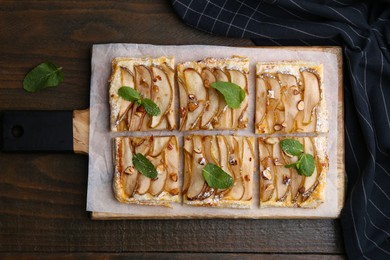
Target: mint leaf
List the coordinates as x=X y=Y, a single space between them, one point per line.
x=232 y=93
x=129 y=94
x=290 y=165
x=216 y=177
x=306 y=165
x=144 y=166
x=43 y=76
x=150 y=107
x=291 y=147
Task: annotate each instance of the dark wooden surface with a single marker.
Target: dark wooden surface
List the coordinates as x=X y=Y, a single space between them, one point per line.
x=43 y=195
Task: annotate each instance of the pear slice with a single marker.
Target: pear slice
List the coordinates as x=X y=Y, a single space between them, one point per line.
x=311 y=182
x=296 y=179
x=247 y=167
x=143 y=182
x=214 y=152
x=281 y=173
x=196 y=90
x=213 y=99
x=197 y=182
x=312 y=93
x=261 y=100
x=239 y=117
x=159 y=144
x=224 y=115
x=171 y=118
x=234 y=166
x=183 y=98
x=187 y=171
x=171 y=158
x=267 y=173
x=272 y=100
x=162 y=95
x=126 y=79
x=208 y=143
x=290 y=99
x=157 y=184
x=129 y=173
x=224 y=159
x=188 y=145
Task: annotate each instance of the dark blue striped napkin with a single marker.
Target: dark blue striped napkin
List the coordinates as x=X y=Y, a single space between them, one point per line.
x=363 y=29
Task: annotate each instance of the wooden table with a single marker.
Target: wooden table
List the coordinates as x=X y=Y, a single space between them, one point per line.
x=43 y=195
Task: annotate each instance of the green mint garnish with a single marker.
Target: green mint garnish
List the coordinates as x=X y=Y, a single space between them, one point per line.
x=43 y=76
x=305 y=164
x=292 y=147
x=150 y=107
x=216 y=177
x=133 y=95
x=232 y=93
x=144 y=166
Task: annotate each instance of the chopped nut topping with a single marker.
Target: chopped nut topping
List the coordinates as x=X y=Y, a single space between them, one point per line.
x=206 y=83
x=191 y=97
x=183 y=112
x=192 y=106
x=202 y=161
x=155 y=88
x=173 y=177
x=296 y=92
x=301 y=190
x=301 y=105
x=276 y=162
x=130 y=170
x=140 y=109
x=271 y=140
x=267 y=174
x=247 y=178
x=174 y=191
x=278 y=127
x=169 y=146
x=250 y=159
x=271 y=94
x=160 y=168
x=286 y=180
x=158 y=77
x=284 y=124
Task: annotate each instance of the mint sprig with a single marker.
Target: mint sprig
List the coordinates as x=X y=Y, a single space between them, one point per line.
x=144 y=166
x=305 y=164
x=232 y=93
x=216 y=177
x=133 y=95
x=43 y=76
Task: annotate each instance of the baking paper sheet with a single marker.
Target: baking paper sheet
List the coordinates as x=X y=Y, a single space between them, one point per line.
x=100 y=194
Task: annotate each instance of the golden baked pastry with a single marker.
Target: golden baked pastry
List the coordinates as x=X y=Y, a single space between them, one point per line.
x=153 y=78
x=201 y=106
x=235 y=155
x=130 y=186
x=284 y=187
x=290 y=98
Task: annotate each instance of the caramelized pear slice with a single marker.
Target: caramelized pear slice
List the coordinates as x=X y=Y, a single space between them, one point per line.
x=261 y=100
x=187 y=171
x=127 y=79
x=171 y=158
x=183 y=98
x=239 y=116
x=188 y=145
x=171 y=77
x=195 y=90
x=290 y=98
x=197 y=182
x=296 y=179
x=234 y=166
x=162 y=95
x=157 y=184
x=129 y=173
x=143 y=182
x=224 y=158
x=312 y=94
x=267 y=186
x=311 y=182
x=159 y=144
x=224 y=115
x=247 y=167
x=213 y=99
x=272 y=100
x=281 y=172
x=208 y=143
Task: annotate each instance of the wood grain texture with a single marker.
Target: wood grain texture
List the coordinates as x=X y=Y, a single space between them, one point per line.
x=43 y=196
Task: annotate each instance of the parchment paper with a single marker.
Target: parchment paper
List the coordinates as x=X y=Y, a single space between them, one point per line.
x=100 y=195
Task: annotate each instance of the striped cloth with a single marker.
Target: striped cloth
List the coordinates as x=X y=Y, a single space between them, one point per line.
x=363 y=29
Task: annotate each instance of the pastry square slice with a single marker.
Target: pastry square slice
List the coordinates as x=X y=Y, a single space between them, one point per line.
x=153 y=78
x=234 y=154
x=130 y=186
x=284 y=187
x=202 y=106
x=290 y=98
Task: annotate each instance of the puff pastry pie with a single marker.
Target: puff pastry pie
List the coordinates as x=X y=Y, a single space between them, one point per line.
x=132 y=187
x=284 y=187
x=235 y=155
x=290 y=98
x=201 y=106
x=153 y=78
